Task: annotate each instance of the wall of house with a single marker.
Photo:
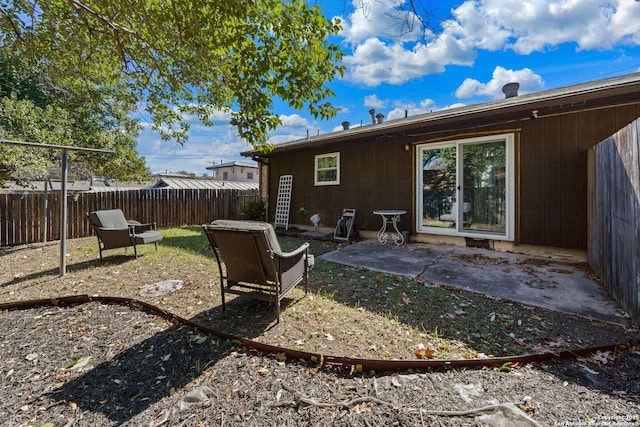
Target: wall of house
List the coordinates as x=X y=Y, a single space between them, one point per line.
x=551 y=176
x=370 y=179
x=237 y=173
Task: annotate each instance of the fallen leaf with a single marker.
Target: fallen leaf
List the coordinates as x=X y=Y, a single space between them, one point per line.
x=281 y=357
x=602 y=357
x=405 y=299
x=422 y=351
x=364 y=407
x=79 y=363
x=591 y=371
x=506 y=367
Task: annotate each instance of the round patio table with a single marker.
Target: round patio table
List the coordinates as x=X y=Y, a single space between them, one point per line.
x=390 y=217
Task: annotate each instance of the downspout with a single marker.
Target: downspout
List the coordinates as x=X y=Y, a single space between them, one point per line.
x=263 y=180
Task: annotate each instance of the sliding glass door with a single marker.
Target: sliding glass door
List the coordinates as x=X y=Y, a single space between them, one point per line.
x=465 y=187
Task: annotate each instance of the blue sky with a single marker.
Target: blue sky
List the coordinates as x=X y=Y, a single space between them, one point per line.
x=479 y=46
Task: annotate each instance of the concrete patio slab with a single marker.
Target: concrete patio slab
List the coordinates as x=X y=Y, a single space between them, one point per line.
x=548 y=282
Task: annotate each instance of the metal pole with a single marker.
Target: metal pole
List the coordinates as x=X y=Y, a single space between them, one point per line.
x=46 y=212
x=63 y=204
x=63 y=216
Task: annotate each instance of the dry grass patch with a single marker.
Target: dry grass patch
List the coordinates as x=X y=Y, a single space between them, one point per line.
x=349 y=311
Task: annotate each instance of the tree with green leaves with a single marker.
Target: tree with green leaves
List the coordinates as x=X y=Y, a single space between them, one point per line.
x=184 y=57
x=34 y=108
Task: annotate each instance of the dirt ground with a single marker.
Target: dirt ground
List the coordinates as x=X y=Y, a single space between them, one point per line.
x=97 y=364
x=113 y=365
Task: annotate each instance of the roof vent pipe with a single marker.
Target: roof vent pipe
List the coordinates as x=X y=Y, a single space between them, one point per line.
x=379 y=118
x=373 y=116
x=345 y=125
x=510 y=90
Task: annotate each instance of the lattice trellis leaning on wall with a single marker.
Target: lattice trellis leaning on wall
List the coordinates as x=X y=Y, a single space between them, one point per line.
x=283 y=204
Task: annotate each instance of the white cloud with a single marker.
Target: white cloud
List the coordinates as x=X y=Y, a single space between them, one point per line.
x=286 y=137
x=206 y=144
x=412 y=109
x=374 y=102
x=220 y=116
x=494 y=25
x=537 y=25
x=293 y=127
x=374 y=62
x=528 y=80
x=379 y=18
x=294 y=120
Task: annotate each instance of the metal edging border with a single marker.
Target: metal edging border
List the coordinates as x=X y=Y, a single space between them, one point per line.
x=352 y=364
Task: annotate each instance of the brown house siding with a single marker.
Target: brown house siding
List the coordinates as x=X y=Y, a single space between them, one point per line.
x=551 y=173
x=369 y=179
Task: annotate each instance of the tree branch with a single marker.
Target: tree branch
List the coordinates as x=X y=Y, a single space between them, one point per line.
x=117 y=27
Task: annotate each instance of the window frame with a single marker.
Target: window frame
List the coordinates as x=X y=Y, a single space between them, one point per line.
x=316 y=169
x=509 y=140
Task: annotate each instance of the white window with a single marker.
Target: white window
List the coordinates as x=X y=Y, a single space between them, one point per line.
x=327 y=169
x=466 y=187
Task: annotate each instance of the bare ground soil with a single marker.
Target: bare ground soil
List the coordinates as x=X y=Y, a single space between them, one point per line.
x=108 y=365
x=102 y=365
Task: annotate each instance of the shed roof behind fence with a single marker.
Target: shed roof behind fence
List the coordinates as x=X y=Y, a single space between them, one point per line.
x=238 y=163
x=74 y=186
x=195 y=184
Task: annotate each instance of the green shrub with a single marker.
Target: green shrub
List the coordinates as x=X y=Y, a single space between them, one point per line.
x=255 y=210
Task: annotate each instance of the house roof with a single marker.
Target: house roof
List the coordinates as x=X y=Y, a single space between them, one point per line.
x=239 y=163
x=195 y=184
x=125 y=186
x=170 y=175
x=74 y=186
x=619 y=90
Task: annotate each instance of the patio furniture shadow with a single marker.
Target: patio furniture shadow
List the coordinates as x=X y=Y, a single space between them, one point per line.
x=53 y=273
x=142 y=375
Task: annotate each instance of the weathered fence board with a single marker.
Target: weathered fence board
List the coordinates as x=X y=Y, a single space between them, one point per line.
x=614 y=247
x=35 y=217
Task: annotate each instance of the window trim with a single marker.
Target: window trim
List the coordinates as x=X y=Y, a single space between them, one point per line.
x=316 y=169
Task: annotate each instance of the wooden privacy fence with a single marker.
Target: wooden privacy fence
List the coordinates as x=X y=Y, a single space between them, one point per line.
x=614 y=216
x=35 y=217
